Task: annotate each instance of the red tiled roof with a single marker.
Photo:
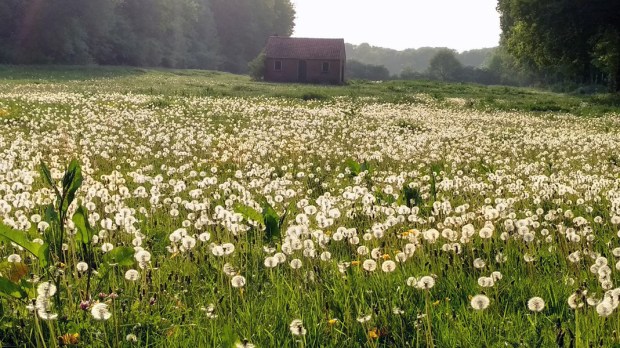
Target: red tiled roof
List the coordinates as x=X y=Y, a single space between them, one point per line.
x=304 y=48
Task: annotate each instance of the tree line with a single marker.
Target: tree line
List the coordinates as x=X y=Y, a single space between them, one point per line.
x=566 y=44
x=563 y=41
x=543 y=42
x=413 y=59
x=206 y=34
x=444 y=65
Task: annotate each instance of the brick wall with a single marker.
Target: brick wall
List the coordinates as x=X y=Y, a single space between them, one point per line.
x=287 y=74
x=314 y=71
x=315 y=74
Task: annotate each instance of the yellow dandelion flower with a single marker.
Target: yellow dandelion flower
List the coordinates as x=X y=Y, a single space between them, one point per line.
x=386 y=256
x=355 y=263
x=332 y=321
x=69 y=339
x=373 y=334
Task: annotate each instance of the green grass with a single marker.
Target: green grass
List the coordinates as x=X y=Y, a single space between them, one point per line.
x=167 y=149
x=166 y=82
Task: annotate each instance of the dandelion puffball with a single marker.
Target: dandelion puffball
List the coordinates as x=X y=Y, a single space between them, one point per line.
x=536 y=304
x=604 y=309
x=388 y=266
x=82 y=266
x=100 y=311
x=425 y=283
x=480 y=302
x=46 y=289
x=369 y=265
x=238 y=281
x=297 y=328
x=132 y=275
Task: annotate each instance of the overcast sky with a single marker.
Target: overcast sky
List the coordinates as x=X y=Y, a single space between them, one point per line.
x=400 y=24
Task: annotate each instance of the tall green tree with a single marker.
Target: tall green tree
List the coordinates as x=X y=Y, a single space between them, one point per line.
x=445 y=67
x=243 y=27
x=211 y=34
x=562 y=40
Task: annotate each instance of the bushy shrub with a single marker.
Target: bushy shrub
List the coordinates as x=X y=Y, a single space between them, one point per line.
x=257 y=67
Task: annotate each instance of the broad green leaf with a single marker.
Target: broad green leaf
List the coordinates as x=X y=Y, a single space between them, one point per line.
x=283 y=217
x=26 y=286
x=51 y=216
x=41 y=251
x=249 y=213
x=365 y=167
x=411 y=197
x=47 y=175
x=272 y=222
x=73 y=180
x=122 y=256
x=354 y=167
x=67 y=179
x=84 y=231
x=8 y=288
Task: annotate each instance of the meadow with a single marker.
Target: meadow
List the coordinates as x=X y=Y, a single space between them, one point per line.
x=163 y=208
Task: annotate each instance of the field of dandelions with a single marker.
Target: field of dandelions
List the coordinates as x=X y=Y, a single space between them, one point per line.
x=278 y=222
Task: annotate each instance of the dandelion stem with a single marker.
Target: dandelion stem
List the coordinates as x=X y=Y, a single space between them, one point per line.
x=38 y=326
x=577 y=330
x=429 y=334
x=52 y=335
x=115 y=315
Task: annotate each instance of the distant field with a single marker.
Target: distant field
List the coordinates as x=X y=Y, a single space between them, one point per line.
x=170 y=83
x=203 y=209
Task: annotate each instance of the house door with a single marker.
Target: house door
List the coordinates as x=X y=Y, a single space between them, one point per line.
x=302 y=71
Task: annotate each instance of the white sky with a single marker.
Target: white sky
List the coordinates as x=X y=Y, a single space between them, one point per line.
x=400 y=24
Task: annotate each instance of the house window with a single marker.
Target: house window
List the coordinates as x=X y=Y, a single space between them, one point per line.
x=277 y=65
x=325 y=68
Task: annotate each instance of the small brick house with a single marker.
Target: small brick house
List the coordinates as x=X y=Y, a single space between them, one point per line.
x=305 y=60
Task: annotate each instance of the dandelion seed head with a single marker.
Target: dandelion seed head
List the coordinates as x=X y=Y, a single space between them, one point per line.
x=297 y=328
x=480 y=302
x=100 y=311
x=535 y=304
x=238 y=281
x=132 y=275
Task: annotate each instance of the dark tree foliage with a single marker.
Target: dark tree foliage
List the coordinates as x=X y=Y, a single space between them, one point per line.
x=211 y=34
x=445 y=67
x=564 y=40
x=411 y=60
x=360 y=71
